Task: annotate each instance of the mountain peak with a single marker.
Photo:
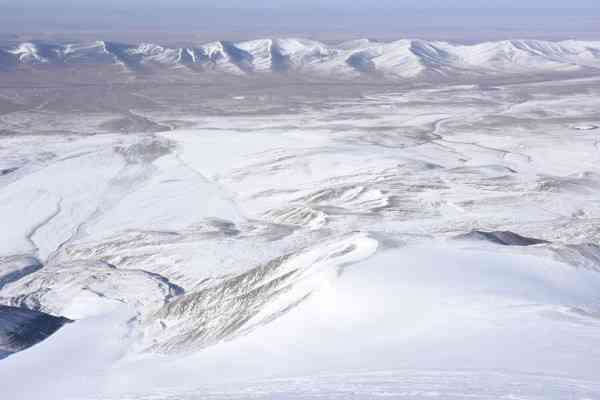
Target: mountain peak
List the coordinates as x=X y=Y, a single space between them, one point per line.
x=400 y=59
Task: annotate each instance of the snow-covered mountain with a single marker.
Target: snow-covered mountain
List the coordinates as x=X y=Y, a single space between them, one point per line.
x=401 y=59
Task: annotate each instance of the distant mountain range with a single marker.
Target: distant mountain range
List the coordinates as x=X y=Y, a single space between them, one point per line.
x=402 y=59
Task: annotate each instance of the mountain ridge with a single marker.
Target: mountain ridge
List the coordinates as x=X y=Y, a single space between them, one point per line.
x=400 y=59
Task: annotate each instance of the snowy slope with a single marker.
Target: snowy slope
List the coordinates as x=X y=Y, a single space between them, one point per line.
x=252 y=299
x=396 y=324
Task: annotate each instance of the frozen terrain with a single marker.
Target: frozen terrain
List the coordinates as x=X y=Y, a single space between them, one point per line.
x=397 y=60
x=167 y=238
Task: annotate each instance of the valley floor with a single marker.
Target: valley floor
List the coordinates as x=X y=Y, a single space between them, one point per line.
x=301 y=242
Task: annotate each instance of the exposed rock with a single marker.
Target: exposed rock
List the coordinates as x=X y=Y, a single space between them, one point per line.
x=14 y=268
x=504 y=238
x=21 y=328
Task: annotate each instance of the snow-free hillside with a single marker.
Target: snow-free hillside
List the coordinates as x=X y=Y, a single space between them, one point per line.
x=402 y=59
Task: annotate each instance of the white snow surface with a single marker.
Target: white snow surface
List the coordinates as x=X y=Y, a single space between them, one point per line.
x=399 y=324
x=401 y=59
x=313 y=254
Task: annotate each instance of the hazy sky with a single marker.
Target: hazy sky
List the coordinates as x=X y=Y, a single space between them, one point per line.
x=441 y=18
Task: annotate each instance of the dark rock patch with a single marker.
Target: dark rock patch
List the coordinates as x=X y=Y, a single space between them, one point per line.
x=21 y=328
x=504 y=238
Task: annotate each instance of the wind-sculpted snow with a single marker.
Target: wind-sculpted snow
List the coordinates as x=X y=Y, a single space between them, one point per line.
x=83 y=289
x=396 y=323
x=401 y=59
x=303 y=240
x=254 y=298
